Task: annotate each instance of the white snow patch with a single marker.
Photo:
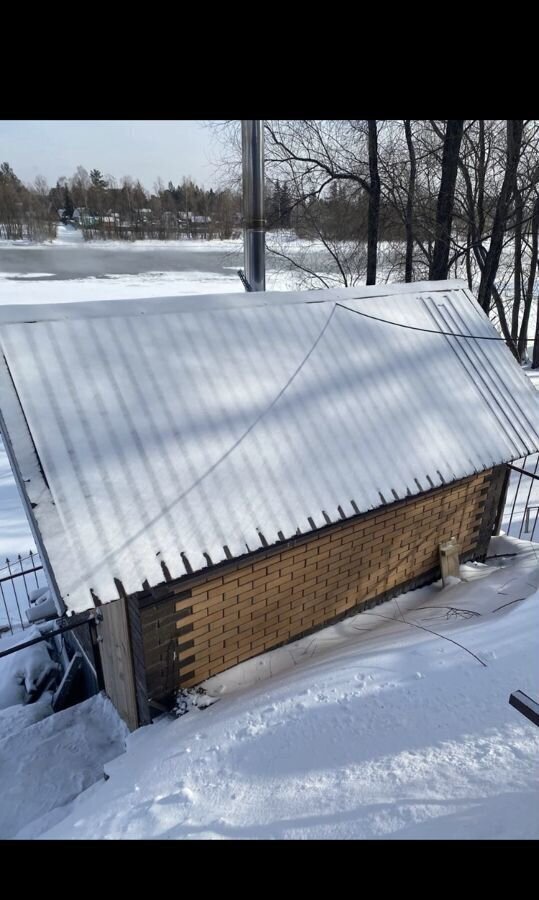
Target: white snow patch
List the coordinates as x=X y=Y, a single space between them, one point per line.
x=50 y=762
x=15 y=534
x=18 y=275
x=127 y=287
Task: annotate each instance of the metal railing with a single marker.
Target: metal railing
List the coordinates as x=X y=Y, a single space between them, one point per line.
x=72 y=646
x=521 y=515
x=18 y=578
x=72 y=643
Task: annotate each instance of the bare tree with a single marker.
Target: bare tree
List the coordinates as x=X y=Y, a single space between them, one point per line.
x=492 y=259
x=534 y=249
x=311 y=155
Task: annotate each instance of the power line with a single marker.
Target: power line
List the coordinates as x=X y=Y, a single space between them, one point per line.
x=475 y=337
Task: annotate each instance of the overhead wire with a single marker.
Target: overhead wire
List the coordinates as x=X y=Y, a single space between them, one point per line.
x=475 y=337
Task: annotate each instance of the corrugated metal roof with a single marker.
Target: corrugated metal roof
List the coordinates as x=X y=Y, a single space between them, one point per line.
x=185 y=433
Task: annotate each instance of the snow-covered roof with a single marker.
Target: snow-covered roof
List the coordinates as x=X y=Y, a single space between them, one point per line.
x=188 y=430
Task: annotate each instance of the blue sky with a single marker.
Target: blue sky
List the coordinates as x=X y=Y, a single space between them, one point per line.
x=143 y=149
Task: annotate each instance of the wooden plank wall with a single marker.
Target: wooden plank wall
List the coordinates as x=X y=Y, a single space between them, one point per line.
x=117 y=660
x=205 y=625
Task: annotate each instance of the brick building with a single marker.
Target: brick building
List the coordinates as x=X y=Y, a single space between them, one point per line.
x=218 y=475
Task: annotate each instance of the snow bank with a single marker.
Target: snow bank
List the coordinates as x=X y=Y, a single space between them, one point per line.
x=48 y=763
x=15 y=719
x=21 y=672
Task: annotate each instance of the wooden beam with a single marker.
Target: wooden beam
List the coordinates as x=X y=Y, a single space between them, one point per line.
x=117 y=660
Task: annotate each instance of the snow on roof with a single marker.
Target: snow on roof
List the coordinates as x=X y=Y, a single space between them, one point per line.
x=169 y=430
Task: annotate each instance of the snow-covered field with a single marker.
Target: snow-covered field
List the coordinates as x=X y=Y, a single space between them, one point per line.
x=117 y=287
x=373 y=728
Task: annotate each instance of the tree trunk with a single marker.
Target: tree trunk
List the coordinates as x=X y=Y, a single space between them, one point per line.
x=469 y=259
x=517 y=268
x=514 y=141
x=408 y=224
x=374 y=203
x=531 y=278
x=528 y=291
x=481 y=169
x=446 y=197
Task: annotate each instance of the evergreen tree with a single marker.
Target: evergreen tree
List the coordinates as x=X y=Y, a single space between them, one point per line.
x=285 y=204
x=68 y=204
x=7 y=176
x=97 y=179
x=273 y=207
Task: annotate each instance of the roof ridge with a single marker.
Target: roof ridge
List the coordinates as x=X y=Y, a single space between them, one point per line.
x=41 y=312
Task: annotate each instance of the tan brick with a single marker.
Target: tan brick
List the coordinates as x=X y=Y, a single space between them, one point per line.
x=252 y=608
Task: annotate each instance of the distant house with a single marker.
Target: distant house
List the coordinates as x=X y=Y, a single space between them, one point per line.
x=84 y=218
x=217 y=476
x=197 y=220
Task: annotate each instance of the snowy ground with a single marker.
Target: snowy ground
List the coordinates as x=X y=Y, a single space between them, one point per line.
x=15 y=535
x=47 y=760
x=370 y=729
x=24 y=289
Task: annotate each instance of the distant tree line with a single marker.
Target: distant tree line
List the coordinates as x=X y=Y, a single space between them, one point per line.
x=104 y=207
x=107 y=208
x=24 y=212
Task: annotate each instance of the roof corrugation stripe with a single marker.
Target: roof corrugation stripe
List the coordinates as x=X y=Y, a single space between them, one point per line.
x=171 y=433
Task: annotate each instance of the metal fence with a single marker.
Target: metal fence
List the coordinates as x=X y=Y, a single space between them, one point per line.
x=72 y=643
x=19 y=577
x=521 y=515
x=74 y=671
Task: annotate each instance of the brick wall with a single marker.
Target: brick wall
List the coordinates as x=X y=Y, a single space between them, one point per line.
x=203 y=625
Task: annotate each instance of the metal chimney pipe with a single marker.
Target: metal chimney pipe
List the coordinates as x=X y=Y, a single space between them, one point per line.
x=254 y=224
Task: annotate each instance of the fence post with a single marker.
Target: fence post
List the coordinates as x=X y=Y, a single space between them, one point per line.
x=15 y=593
